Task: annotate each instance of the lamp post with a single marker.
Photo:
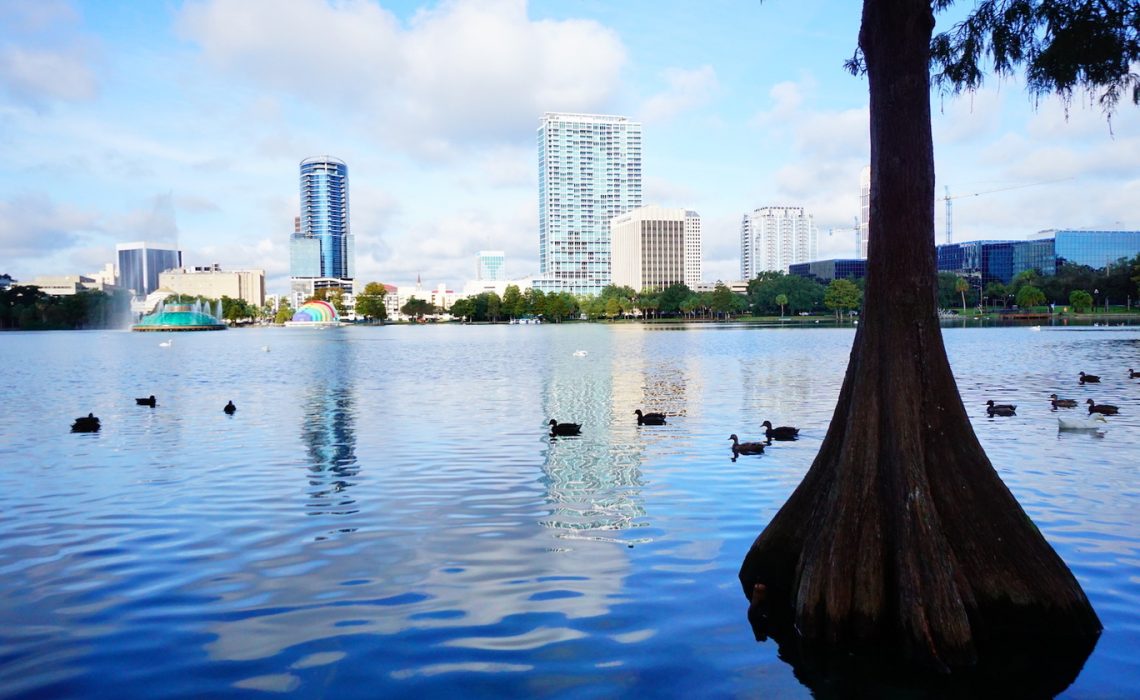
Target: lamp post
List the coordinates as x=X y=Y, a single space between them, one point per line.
x=1096 y=299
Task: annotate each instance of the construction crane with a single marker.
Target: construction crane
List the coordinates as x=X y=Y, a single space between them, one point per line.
x=949 y=201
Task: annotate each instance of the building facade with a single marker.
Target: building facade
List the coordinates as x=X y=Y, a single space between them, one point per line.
x=656 y=247
x=213 y=283
x=141 y=263
x=489 y=265
x=773 y=238
x=1001 y=261
x=824 y=271
x=321 y=248
x=1096 y=248
x=589 y=171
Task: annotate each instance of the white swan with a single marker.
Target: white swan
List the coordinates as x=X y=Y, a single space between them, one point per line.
x=265 y=348
x=1094 y=422
x=580 y=353
x=166 y=343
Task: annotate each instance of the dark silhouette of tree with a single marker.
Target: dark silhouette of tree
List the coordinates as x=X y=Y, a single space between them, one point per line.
x=902 y=545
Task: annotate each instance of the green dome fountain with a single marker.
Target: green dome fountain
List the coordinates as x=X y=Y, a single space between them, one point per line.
x=182 y=317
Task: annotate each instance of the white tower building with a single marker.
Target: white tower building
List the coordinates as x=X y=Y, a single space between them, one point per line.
x=772 y=238
x=589 y=171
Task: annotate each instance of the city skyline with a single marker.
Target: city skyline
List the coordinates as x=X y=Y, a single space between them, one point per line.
x=168 y=123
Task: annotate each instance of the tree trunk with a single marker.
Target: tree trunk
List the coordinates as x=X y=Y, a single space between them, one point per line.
x=902 y=542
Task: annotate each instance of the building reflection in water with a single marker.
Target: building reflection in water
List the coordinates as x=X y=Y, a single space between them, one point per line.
x=329 y=436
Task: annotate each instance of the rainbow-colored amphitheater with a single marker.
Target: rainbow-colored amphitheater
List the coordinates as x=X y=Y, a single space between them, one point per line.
x=315 y=311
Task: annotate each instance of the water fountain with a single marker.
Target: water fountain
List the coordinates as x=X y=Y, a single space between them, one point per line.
x=182 y=316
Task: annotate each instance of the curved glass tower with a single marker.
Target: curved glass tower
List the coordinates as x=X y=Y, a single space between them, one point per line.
x=324 y=216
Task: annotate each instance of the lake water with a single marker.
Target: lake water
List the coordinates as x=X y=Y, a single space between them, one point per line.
x=385 y=515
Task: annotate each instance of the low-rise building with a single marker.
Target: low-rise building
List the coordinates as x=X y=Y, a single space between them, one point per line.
x=212 y=282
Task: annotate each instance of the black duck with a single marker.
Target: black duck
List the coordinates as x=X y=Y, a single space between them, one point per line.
x=1089 y=378
x=149 y=401
x=991 y=406
x=1062 y=403
x=649 y=418
x=86 y=424
x=1102 y=408
x=783 y=432
x=564 y=429
x=1001 y=410
x=745 y=448
x=230 y=408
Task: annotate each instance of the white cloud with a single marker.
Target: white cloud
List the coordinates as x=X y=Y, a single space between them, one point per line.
x=34 y=226
x=462 y=72
x=687 y=89
x=45 y=58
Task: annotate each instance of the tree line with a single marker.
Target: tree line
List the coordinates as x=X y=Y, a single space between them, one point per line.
x=27 y=307
x=1078 y=286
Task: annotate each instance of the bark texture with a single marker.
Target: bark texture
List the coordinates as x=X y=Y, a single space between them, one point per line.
x=902 y=539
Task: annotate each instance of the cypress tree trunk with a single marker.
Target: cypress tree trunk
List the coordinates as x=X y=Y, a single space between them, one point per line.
x=902 y=541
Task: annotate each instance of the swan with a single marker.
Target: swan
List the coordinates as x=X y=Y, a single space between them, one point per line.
x=745 y=448
x=649 y=418
x=166 y=343
x=580 y=353
x=564 y=429
x=1093 y=422
x=1035 y=328
x=265 y=348
x=783 y=432
x=230 y=408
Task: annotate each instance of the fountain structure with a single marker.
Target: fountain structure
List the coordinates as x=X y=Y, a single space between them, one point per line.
x=183 y=316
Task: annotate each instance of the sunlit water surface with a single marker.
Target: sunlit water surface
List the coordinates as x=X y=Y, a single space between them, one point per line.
x=385 y=515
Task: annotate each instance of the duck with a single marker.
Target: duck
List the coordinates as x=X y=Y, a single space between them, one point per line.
x=783 y=432
x=166 y=343
x=564 y=429
x=1102 y=408
x=649 y=418
x=230 y=408
x=1133 y=375
x=991 y=406
x=1093 y=422
x=149 y=401
x=86 y=424
x=1062 y=403
x=745 y=448
x=1000 y=410
x=1089 y=378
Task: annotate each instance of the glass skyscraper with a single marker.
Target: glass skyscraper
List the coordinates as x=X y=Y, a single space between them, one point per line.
x=140 y=264
x=489 y=265
x=589 y=171
x=324 y=219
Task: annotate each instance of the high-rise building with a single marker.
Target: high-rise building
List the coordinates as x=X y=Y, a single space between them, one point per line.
x=589 y=171
x=864 y=210
x=772 y=238
x=656 y=247
x=489 y=265
x=321 y=249
x=141 y=263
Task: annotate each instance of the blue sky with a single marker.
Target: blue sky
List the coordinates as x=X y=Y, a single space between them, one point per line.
x=186 y=122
